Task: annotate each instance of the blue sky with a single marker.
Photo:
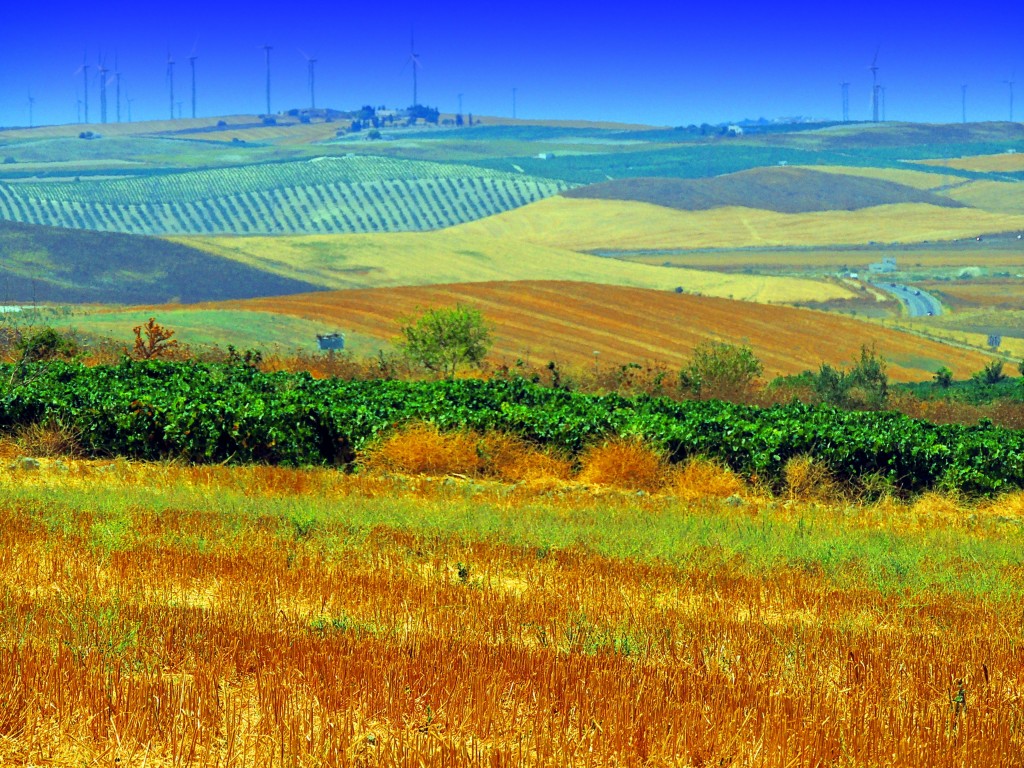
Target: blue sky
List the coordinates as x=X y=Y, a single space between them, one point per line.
x=657 y=63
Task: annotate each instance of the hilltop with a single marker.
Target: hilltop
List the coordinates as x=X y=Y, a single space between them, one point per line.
x=779 y=189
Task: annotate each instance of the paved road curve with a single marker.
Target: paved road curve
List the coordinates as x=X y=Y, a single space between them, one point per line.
x=918 y=302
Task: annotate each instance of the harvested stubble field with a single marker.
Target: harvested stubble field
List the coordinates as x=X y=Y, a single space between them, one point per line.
x=166 y=615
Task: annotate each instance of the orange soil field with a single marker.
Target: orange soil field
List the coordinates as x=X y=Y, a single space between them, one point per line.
x=205 y=634
x=568 y=322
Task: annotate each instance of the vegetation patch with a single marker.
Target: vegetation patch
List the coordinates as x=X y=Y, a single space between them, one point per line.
x=784 y=190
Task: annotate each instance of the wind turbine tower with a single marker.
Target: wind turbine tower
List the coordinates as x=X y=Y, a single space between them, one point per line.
x=192 y=64
x=963 y=103
x=267 y=49
x=846 y=101
x=31 y=104
x=1010 y=83
x=101 y=73
x=414 y=59
x=84 y=69
x=117 y=88
x=874 y=87
x=310 y=77
x=170 y=83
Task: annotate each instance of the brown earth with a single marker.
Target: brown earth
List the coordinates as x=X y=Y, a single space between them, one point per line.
x=584 y=324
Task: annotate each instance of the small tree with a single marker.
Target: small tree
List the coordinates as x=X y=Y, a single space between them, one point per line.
x=153 y=341
x=722 y=371
x=443 y=339
x=45 y=345
x=992 y=373
x=944 y=378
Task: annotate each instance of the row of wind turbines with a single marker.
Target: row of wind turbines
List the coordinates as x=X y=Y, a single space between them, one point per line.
x=107 y=77
x=878 y=95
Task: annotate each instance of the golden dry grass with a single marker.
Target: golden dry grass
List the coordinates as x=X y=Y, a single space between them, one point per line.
x=423 y=449
x=916 y=179
x=1004 y=162
x=587 y=225
x=568 y=322
x=995 y=196
x=178 y=639
x=624 y=463
x=703 y=479
x=451 y=256
x=808 y=480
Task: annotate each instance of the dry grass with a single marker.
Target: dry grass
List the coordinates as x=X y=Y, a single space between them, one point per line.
x=190 y=644
x=588 y=225
x=50 y=438
x=513 y=459
x=809 y=480
x=423 y=449
x=704 y=479
x=626 y=463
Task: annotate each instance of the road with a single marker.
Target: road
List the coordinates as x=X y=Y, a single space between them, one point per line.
x=918 y=302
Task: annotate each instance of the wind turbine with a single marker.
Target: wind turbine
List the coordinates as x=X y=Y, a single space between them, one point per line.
x=117 y=88
x=414 y=59
x=310 y=77
x=192 y=65
x=101 y=73
x=31 y=104
x=874 y=86
x=84 y=71
x=170 y=83
x=267 y=49
x=128 y=100
x=963 y=102
x=1010 y=83
x=845 y=88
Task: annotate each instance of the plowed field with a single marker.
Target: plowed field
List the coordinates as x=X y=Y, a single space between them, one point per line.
x=569 y=322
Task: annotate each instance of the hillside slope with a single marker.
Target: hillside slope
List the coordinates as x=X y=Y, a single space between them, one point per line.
x=70 y=266
x=783 y=190
x=569 y=322
x=450 y=256
x=597 y=225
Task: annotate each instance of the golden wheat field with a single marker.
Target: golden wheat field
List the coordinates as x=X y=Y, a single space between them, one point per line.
x=594 y=225
x=916 y=179
x=450 y=256
x=162 y=615
x=568 y=322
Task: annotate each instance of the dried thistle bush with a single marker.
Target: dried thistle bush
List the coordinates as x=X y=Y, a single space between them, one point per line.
x=511 y=458
x=809 y=480
x=422 y=449
x=51 y=437
x=625 y=463
x=704 y=479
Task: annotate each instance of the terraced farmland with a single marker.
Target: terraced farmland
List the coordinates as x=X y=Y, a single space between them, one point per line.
x=324 y=195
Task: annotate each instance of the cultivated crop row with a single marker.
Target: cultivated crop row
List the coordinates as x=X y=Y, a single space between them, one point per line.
x=381 y=205
x=216 y=413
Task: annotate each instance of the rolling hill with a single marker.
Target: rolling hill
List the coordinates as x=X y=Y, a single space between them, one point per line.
x=613 y=225
x=64 y=266
x=321 y=195
x=568 y=322
x=423 y=258
x=779 y=189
